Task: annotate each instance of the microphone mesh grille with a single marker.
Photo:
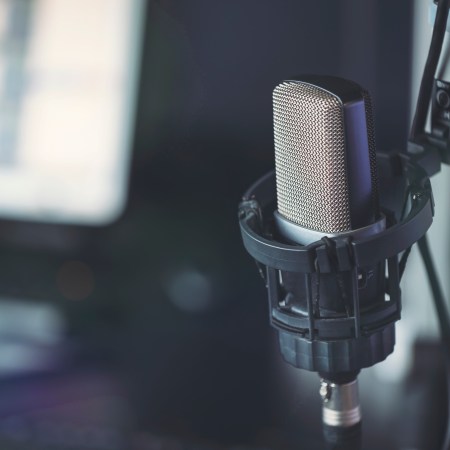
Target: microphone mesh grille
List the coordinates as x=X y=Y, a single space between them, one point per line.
x=310 y=165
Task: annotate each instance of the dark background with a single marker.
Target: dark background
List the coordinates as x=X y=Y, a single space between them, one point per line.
x=141 y=366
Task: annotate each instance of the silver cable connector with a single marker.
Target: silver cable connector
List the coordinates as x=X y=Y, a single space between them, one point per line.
x=340 y=403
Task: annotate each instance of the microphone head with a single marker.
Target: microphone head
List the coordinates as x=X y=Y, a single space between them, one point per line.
x=325 y=154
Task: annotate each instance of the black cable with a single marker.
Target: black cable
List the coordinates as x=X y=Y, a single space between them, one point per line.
x=426 y=85
x=438 y=295
x=443 y=319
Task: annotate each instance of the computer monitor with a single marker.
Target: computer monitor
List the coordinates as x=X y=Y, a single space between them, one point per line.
x=68 y=82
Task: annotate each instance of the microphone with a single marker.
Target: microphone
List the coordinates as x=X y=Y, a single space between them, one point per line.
x=325 y=244
x=326 y=183
x=324 y=158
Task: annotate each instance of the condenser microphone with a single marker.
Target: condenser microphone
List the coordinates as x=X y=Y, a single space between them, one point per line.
x=325 y=160
x=326 y=184
x=325 y=242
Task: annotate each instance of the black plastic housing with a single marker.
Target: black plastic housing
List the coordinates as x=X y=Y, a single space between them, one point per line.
x=364 y=333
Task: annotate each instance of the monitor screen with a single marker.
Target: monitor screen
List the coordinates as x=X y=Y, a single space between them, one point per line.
x=68 y=81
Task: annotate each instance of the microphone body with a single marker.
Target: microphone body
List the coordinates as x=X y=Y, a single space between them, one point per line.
x=325 y=244
x=326 y=182
x=327 y=186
